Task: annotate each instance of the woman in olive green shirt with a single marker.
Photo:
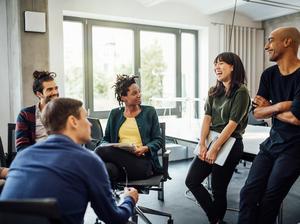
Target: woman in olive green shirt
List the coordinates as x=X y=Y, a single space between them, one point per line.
x=226 y=112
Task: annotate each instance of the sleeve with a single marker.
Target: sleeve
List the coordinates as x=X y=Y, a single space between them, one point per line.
x=240 y=106
x=22 y=132
x=107 y=134
x=295 y=109
x=208 y=106
x=264 y=86
x=101 y=197
x=156 y=140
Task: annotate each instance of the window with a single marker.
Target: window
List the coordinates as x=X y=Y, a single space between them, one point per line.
x=163 y=58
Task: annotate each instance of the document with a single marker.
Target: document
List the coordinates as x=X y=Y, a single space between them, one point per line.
x=125 y=146
x=224 y=151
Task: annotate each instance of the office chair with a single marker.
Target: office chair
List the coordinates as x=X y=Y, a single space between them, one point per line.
x=155 y=183
x=31 y=211
x=253 y=121
x=96 y=133
x=11 y=143
x=2 y=155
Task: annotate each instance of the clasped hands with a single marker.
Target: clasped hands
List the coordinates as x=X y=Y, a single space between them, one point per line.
x=141 y=150
x=210 y=155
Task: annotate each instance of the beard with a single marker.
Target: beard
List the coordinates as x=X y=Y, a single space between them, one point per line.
x=49 y=98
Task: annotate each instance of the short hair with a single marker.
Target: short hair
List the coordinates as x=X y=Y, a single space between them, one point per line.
x=39 y=77
x=55 y=115
x=122 y=85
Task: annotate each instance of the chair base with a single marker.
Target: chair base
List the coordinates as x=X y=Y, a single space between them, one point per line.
x=140 y=210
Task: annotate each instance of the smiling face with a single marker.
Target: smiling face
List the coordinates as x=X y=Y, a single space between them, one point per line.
x=275 y=45
x=50 y=91
x=223 y=71
x=133 y=97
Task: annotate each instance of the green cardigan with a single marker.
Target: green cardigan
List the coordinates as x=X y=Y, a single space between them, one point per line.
x=148 y=125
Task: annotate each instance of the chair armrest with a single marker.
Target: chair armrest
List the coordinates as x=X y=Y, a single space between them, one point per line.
x=165 y=161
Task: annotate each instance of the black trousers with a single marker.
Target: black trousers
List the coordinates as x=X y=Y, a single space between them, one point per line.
x=268 y=182
x=120 y=163
x=215 y=206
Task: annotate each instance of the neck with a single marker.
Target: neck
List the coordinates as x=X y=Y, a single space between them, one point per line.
x=132 y=110
x=227 y=85
x=42 y=104
x=71 y=135
x=288 y=64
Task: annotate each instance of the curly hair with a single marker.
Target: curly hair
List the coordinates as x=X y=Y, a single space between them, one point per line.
x=39 y=77
x=122 y=84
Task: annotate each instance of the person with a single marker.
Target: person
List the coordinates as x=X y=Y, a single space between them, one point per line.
x=226 y=112
x=277 y=165
x=3 y=174
x=135 y=124
x=29 y=128
x=60 y=168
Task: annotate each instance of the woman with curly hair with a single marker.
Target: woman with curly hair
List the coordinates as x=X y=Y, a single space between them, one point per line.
x=135 y=124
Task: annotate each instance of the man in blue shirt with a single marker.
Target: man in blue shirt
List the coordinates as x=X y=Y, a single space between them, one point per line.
x=60 y=168
x=277 y=165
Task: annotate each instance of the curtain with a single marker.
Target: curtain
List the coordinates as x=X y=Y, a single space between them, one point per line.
x=248 y=43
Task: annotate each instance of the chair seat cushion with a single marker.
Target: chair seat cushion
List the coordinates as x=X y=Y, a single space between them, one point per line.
x=151 y=181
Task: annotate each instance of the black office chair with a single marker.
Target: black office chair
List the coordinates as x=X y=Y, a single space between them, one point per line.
x=11 y=143
x=33 y=211
x=2 y=155
x=253 y=121
x=96 y=133
x=155 y=183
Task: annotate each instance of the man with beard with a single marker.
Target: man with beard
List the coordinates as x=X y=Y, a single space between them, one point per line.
x=277 y=165
x=29 y=128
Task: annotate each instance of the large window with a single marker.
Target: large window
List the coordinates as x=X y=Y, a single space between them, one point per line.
x=96 y=51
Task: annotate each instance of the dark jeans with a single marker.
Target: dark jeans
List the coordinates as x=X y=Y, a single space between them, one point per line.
x=117 y=159
x=268 y=182
x=214 y=207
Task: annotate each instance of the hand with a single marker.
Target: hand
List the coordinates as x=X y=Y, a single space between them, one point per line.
x=203 y=151
x=3 y=172
x=133 y=193
x=141 y=150
x=259 y=101
x=211 y=155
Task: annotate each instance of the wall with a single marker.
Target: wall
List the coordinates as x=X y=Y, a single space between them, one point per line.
x=269 y=25
x=165 y=14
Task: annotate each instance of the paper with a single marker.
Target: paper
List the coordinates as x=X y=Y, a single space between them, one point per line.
x=224 y=151
x=126 y=146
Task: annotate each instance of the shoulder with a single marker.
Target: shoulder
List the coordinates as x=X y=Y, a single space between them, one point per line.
x=116 y=111
x=30 y=109
x=243 y=89
x=270 y=70
x=27 y=113
x=147 y=108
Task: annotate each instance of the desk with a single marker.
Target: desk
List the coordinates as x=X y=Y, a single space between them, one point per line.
x=253 y=136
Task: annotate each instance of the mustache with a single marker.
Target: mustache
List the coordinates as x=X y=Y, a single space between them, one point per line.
x=49 y=98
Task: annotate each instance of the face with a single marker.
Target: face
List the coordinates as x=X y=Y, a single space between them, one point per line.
x=83 y=132
x=223 y=71
x=274 y=46
x=50 y=91
x=133 y=96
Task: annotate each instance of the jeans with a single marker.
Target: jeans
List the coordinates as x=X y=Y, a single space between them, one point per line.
x=215 y=206
x=269 y=181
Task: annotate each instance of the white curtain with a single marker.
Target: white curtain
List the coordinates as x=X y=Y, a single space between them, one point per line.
x=248 y=43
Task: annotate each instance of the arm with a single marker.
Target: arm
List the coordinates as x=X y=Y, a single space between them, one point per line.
x=23 y=133
x=101 y=197
x=3 y=172
x=107 y=134
x=203 y=136
x=288 y=117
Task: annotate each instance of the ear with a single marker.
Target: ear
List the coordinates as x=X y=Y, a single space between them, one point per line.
x=39 y=94
x=72 y=122
x=123 y=98
x=287 y=42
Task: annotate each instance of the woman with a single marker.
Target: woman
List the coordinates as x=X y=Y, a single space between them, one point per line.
x=226 y=110
x=135 y=124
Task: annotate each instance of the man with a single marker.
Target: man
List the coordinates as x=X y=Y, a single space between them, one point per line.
x=60 y=168
x=29 y=128
x=277 y=165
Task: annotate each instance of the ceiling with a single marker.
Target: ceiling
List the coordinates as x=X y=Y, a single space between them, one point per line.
x=255 y=9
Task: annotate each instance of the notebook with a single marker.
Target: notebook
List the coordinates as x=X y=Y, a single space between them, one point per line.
x=224 y=151
x=125 y=146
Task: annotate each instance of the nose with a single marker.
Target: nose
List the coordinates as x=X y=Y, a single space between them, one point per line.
x=266 y=46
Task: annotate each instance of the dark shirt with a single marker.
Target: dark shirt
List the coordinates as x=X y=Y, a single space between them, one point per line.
x=276 y=88
x=148 y=125
x=58 y=168
x=25 y=128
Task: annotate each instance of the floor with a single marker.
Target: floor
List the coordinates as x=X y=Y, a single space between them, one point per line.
x=185 y=211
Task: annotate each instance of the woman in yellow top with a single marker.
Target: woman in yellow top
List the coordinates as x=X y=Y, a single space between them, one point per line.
x=135 y=124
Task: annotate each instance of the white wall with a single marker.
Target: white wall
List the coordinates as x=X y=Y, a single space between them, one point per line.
x=167 y=14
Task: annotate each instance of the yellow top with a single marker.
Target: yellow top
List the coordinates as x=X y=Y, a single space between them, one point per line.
x=129 y=132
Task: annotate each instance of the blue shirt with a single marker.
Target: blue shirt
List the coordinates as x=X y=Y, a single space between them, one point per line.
x=58 y=168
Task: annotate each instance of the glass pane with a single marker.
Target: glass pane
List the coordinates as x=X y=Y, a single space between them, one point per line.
x=158 y=70
x=112 y=54
x=188 y=73
x=73 y=60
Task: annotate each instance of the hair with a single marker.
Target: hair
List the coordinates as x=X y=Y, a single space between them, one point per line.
x=55 y=115
x=39 y=77
x=238 y=75
x=122 y=84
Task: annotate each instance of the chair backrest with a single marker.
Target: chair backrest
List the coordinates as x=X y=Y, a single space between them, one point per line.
x=253 y=121
x=96 y=133
x=11 y=142
x=2 y=155
x=35 y=211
